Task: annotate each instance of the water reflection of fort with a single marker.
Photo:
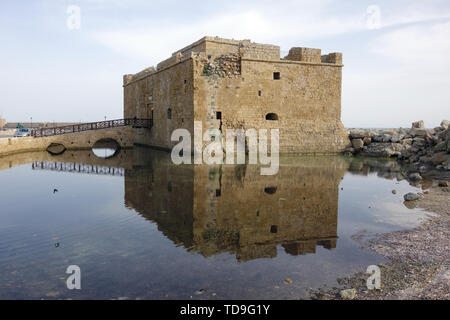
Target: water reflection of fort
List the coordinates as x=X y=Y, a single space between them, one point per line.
x=221 y=209
x=217 y=209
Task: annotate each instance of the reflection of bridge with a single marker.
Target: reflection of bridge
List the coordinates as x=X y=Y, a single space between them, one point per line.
x=135 y=123
x=74 y=167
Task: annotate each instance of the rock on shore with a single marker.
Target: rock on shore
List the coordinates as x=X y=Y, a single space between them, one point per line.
x=421 y=148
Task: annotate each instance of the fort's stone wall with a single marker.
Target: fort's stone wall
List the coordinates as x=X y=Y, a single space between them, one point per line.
x=166 y=96
x=231 y=84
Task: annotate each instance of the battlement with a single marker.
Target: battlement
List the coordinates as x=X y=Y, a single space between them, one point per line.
x=214 y=47
x=131 y=77
x=313 y=56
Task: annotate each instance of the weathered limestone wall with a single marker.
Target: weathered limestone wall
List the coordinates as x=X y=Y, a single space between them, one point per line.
x=306 y=99
x=167 y=93
x=236 y=78
x=79 y=140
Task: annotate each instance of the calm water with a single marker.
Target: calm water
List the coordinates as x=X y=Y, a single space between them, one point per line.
x=142 y=228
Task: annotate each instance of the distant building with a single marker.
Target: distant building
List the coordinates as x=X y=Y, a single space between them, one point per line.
x=2 y=123
x=232 y=84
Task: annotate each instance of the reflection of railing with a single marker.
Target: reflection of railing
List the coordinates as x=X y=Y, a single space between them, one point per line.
x=78 y=168
x=134 y=122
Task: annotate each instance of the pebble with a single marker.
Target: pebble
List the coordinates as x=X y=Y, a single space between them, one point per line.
x=411 y=196
x=443 y=184
x=288 y=280
x=348 y=294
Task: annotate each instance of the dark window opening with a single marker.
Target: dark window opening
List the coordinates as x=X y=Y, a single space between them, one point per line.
x=169 y=113
x=218 y=192
x=276 y=76
x=270 y=190
x=273 y=229
x=271 y=116
x=259 y=93
x=209 y=56
x=219 y=115
x=185 y=81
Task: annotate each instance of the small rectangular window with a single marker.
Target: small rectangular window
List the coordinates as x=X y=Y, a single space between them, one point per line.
x=276 y=76
x=169 y=113
x=259 y=93
x=218 y=115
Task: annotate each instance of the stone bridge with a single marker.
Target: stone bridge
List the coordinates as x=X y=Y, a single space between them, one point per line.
x=124 y=136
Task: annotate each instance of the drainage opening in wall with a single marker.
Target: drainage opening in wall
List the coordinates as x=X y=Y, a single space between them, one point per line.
x=271 y=116
x=270 y=190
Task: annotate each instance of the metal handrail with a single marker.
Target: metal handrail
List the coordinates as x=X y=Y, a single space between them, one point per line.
x=134 y=122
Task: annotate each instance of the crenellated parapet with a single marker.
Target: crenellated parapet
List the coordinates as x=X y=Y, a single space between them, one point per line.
x=313 y=56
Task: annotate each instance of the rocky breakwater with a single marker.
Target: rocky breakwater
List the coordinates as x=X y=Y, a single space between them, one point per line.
x=419 y=148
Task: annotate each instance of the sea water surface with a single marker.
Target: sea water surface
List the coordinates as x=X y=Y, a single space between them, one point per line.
x=140 y=227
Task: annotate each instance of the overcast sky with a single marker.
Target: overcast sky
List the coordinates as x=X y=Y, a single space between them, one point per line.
x=396 y=53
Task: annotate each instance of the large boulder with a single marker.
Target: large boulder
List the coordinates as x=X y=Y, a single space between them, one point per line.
x=407 y=141
x=445 y=124
x=439 y=158
x=415 y=132
x=380 y=149
x=418 y=124
x=396 y=137
x=358 y=133
x=367 y=140
x=411 y=196
x=357 y=143
x=415 y=176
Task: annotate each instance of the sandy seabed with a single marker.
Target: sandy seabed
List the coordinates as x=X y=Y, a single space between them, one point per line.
x=419 y=259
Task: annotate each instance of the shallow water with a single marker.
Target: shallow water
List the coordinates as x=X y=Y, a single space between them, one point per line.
x=140 y=227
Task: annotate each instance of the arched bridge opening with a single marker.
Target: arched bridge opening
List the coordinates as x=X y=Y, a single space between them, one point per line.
x=106 y=148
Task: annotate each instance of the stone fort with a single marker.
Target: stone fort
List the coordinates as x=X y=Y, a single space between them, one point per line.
x=238 y=84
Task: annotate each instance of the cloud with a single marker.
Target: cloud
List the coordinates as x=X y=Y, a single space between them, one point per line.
x=410 y=81
x=416 y=44
x=285 y=24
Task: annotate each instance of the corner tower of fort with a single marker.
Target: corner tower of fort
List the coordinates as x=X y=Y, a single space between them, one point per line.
x=231 y=84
